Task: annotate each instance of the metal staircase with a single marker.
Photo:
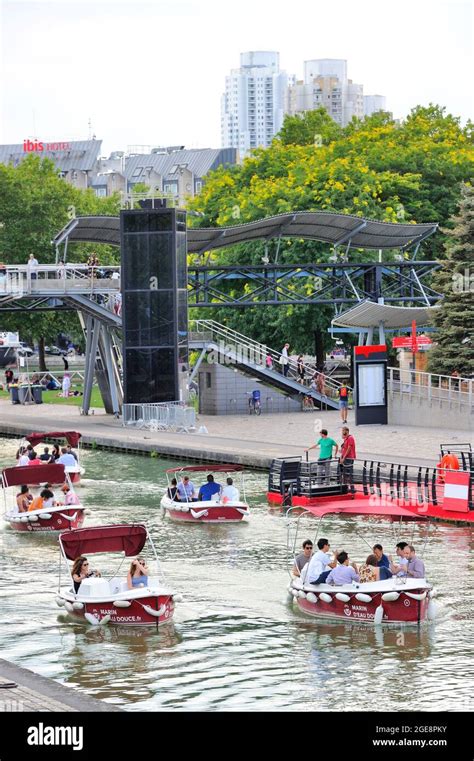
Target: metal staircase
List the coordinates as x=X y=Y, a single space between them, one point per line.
x=249 y=356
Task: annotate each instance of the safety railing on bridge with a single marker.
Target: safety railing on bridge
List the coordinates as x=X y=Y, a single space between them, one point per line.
x=431 y=387
x=57 y=279
x=160 y=416
x=253 y=352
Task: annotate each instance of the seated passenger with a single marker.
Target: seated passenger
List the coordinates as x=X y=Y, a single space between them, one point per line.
x=23 y=499
x=399 y=568
x=370 y=571
x=23 y=458
x=186 y=490
x=46 y=456
x=33 y=459
x=207 y=491
x=230 y=493
x=48 y=498
x=416 y=567
x=80 y=571
x=70 y=450
x=36 y=504
x=320 y=564
x=382 y=560
x=344 y=573
x=138 y=574
x=70 y=497
x=303 y=558
x=66 y=458
x=172 y=491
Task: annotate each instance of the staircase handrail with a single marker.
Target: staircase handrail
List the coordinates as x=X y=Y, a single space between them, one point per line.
x=228 y=334
x=431 y=385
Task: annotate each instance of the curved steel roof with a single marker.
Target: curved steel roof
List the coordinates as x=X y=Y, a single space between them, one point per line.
x=368 y=314
x=327 y=227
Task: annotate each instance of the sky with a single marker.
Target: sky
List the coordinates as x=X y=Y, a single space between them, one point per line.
x=152 y=72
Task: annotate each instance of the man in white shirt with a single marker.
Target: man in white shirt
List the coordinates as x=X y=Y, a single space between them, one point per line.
x=231 y=492
x=321 y=564
x=400 y=567
x=66 y=458
x=32 y=265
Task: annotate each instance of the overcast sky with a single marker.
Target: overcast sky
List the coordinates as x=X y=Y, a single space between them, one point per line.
x=153 y=72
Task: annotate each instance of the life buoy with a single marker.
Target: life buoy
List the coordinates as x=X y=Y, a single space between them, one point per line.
x=325 y=597
x=390 y=596
x=361 y=597
x=121 y=603
x=342 y=597
x=448 y=462
x=311 y=597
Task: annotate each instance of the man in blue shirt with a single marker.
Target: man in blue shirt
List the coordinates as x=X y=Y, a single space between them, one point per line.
x=186 y=490
x=382 y=560
x=207 y=491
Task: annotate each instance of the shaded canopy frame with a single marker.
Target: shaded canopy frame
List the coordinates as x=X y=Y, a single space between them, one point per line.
x=33 y=475
x=326 y=227
x=127 y=538
x=72 y=437
x=383 y=510
x=368 y=314
x=206 y=469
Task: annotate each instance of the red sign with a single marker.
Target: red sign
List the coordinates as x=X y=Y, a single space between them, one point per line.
x=412 y=342
x=38 y=147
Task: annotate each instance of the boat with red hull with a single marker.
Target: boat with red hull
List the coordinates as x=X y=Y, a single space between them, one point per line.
x=441 y=494
x=220 y=509
x=72 y=438
x=59 y=517
x=101 y=601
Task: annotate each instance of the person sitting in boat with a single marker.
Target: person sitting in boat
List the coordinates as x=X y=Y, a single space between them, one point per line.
x=382 y=560
x=321 y=564
x=207 y=490
x=303 y=558
x=46 y=456
x=343 y=573
x=45 y=499
x=400 y=567
x=66 y=458
x=33 y=458
x=416 y=567
x=138 y=574
x=371 y=571
x=22 y=457
x=186 y=490
x=70 y=497
x=80 y=571
x=23 y=499
x=230 y=493
x=172 y=491
x=70 y=450
x=55 y=454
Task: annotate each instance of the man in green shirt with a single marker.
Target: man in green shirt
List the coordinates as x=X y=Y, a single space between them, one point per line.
x=326 y=446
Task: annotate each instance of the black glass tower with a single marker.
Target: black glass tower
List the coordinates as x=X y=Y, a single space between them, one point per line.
x=154 y=305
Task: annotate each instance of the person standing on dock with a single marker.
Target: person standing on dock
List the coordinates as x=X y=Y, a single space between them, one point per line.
x=326 y=445
x=346 y=459
x=284 y=361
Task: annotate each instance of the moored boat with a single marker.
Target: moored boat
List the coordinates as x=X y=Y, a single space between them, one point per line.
x=99 y=600
x=219 y=508
x=57 y=517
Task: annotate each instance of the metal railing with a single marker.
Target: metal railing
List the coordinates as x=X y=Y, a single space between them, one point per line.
x=55 y=279
x=431 y=387
x=254 y=353
x=160 y=416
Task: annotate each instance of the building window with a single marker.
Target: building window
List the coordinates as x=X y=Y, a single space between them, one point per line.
x=101 y=192
x=199 y=185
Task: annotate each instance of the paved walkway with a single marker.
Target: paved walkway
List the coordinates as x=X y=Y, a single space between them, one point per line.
x=38 y=693
x=244 y=439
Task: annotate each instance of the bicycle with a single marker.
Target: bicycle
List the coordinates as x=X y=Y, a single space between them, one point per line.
x=254 y=404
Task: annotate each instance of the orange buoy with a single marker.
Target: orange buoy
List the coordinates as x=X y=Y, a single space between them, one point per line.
x=448 y=462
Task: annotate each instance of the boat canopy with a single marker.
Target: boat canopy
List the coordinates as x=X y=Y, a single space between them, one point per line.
x=33 y=474
x=384 y=509
x=72 y=437
x=127 y=538
x=206 y=468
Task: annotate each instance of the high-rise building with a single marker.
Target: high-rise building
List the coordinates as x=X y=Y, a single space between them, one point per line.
x=254 y=103
x=326 y=84
x=374 y=103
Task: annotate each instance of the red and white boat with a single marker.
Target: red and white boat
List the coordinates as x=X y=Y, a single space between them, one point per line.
x=101 y=600
x=440 y=493
x=59 y=517
x=72 y=438
x=220 y=509
x=392 y=601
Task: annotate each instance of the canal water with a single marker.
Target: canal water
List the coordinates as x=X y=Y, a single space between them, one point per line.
x=235 y=642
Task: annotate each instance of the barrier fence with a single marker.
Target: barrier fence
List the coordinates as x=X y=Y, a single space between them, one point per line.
x=160 y=416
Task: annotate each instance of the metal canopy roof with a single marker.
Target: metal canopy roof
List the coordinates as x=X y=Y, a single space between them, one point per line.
x=335 y=229
x=367 y=314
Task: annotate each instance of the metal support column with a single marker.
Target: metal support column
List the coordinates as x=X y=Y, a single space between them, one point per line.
x=108 y=360
x=370 y=337
x=92 y=343
x=196 y=366
x=381 y=333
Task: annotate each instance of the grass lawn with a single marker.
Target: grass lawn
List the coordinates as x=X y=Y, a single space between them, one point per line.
x=52 y=397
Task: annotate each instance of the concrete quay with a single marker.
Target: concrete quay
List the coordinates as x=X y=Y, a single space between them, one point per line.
x=33 y=692
x=238 y=439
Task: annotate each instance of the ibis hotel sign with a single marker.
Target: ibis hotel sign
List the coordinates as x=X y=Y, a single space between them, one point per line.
x=36 y=146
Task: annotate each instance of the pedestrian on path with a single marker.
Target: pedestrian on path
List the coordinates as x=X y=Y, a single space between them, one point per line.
x=346 y=459
x=343 y=401
x=32 y=265
x=284 y=361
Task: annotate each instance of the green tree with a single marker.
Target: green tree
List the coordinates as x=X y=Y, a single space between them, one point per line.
x=309 y=128
x=454 y=317
x=35 y=203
